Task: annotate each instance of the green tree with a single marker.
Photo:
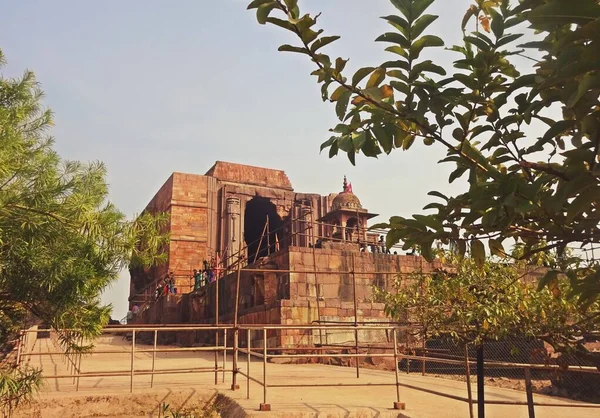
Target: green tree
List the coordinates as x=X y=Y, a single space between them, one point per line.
x=61 y=241
x=532 y=176
x=471 y=304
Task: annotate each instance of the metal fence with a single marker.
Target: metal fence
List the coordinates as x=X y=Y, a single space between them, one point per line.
x=253 y=342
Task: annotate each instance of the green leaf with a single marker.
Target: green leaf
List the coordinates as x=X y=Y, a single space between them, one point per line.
x=497 y=24
x=328 y=143
x=408 y=141
x=291 y=3
x=256 y=3
x=383 y=138
x=471 y=11
x=496 y=247
x=478 y=42
x=352 y=157
x=558 y=128
x=583 y=202
x=340 y=64
x=376 y=78
x=589 y=82
x=281 y=23
x=550 y=276
x=397 y=50
x=478 y=252
x=333 y=150
x=508 y=39
x=370 y=148
x=424 y=42
x=395 y=38
x=321 y=42
x=361 y=74
x=426 y=66
x=358 y=139
x=337 y=93
x=290 y=48
x=419 y=6
x=421 y=24
x=399 y=23
x=263 y=12
x=342 y=104
x=438 y=194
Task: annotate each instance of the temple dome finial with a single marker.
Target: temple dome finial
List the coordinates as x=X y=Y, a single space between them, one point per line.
x=346 y=199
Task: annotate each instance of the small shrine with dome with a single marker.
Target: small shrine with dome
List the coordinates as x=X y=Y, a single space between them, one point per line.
x=347 y=219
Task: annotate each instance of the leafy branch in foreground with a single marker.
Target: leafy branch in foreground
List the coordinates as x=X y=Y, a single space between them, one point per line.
x=533 y=176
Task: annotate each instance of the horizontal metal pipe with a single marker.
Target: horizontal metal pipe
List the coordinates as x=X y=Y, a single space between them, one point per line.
x=128 y=372
x=328 y=355
x=251 y=378
x=149 y=350
x=293 y=385
x=252 y=353
x=562 y=405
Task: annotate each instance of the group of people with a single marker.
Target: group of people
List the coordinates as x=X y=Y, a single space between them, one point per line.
x=166 y=285
x=207 y=274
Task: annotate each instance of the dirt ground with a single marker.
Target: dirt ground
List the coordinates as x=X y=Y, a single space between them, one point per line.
x=146 y=404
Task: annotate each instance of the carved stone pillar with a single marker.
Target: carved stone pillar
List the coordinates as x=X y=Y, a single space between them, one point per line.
x=233 y=230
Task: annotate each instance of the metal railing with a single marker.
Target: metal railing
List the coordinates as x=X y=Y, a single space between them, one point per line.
x=266 y=352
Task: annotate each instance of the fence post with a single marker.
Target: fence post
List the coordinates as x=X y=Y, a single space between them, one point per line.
x=153 y=358
x=397 y=404
x=132 y=360
x=19 y=348
x=480 y=382
x=529 y=391
x=248 y=335
x=78 y=368
x=225 y=352
x=468 y=375
x=423 y=366
x=265 y=406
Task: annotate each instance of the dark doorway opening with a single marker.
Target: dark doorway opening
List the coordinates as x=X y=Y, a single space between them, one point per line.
x=258 y=210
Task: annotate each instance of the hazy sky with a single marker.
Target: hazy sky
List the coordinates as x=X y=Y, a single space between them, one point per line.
x=151 y=87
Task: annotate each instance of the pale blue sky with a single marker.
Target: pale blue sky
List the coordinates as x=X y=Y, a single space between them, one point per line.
x=151 y=87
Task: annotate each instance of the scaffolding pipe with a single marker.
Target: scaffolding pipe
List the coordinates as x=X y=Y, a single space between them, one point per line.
x=355 y=315
x=314 y=257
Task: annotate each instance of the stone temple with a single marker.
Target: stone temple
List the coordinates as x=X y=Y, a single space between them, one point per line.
x=302 y=258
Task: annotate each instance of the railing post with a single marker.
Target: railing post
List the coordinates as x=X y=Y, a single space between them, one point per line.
x=529 y=391
x=265 y=406
x=468 y=375
x=480 y=382
x=225 y=352
x=132 y=360
x=153 y=358
x=248 y=335
x=19 y=348
x=423 y=364
x=78 y=372
x=397 y=404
